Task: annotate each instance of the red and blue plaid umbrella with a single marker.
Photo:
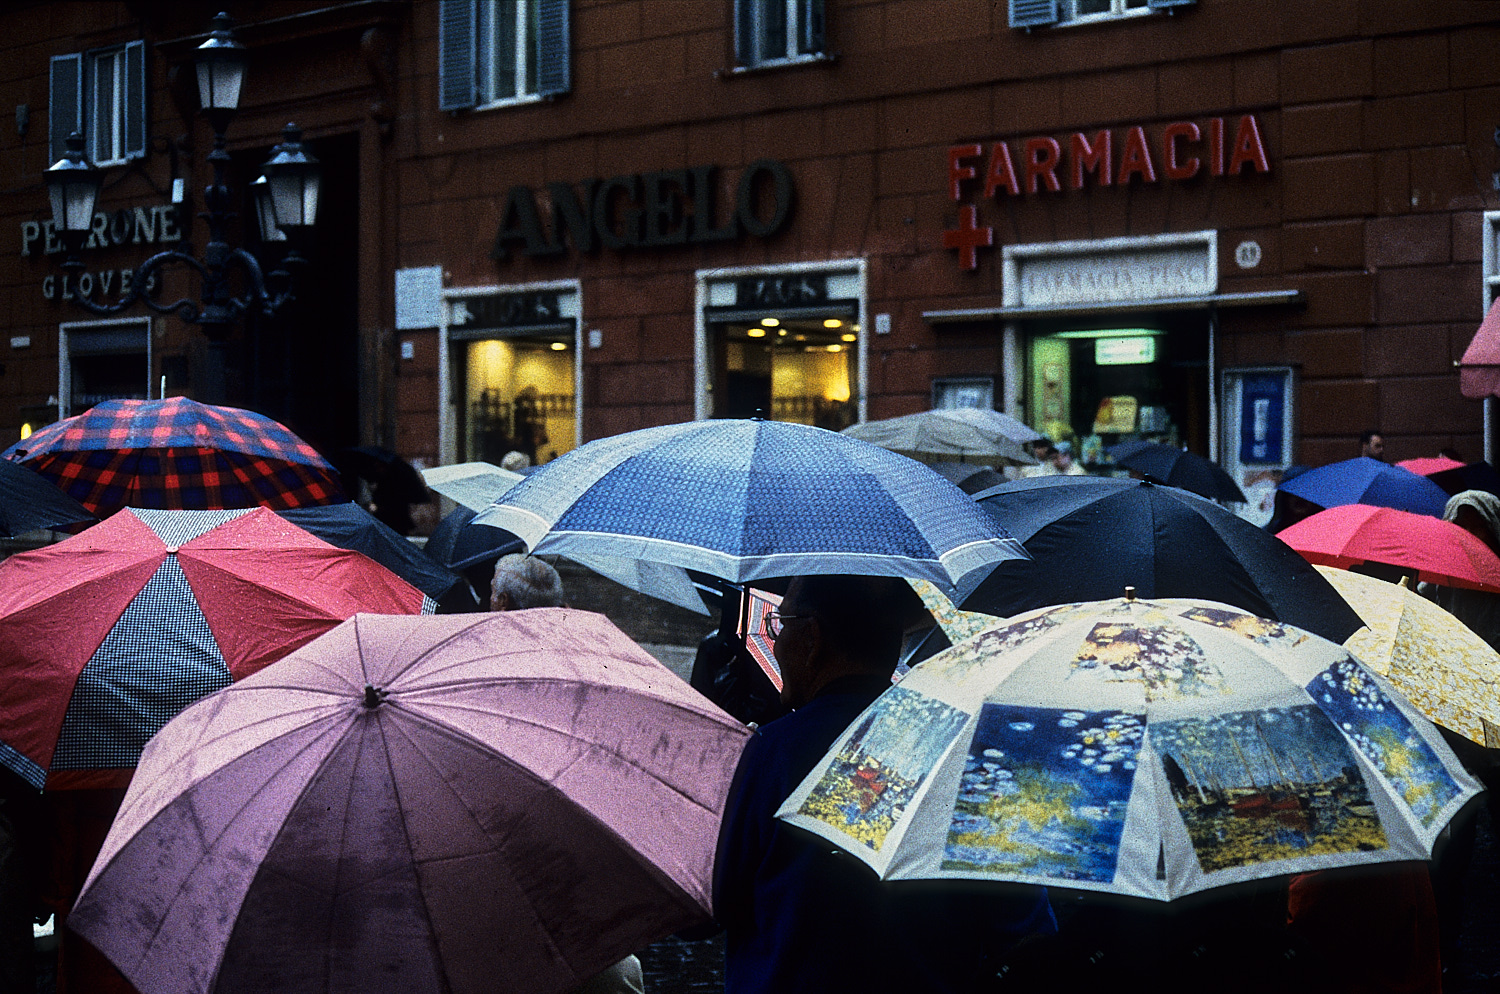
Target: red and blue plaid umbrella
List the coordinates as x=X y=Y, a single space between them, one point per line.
x=177 y=454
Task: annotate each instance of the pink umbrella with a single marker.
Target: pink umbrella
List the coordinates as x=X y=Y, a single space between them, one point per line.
x=1427 y=465
x=1434 y=550
x=507 y=802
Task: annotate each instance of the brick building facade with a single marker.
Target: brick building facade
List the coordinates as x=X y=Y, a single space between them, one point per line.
x=1256 y=229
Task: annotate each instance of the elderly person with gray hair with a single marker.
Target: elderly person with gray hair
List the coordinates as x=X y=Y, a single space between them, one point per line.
x=523 y=581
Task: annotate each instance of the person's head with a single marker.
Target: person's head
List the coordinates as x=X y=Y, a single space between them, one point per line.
x=1372 y=444
x=1063 y=456
x=836 y=626
x=1478 y=513
x=515 y=461
x=523 y=581
x=1042 y=449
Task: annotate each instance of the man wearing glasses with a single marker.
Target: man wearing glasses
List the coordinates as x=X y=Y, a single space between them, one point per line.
x=799 y=914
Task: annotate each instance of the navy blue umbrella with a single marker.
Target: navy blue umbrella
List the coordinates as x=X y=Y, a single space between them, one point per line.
x=1178 y=468
x=29 y=501
x=1363 y=480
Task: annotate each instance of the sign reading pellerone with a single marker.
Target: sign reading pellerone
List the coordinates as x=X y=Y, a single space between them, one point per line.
x=1178 y=152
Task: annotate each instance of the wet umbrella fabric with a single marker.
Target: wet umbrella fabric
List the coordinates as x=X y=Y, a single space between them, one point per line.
x=1363 y=480
x=968 y=477
x=457 y=543
x=474 y=485
x=1470 y=476
x=1428 y=548
x=180 y=454
x=350 y=526
x=108 y=634
x=29 y=502
x=1091 y=537
x=1451 y=674
x=747 y=499
x=970 y=434
x=1145 y=748
x=1429 y=465
x=1178 y=468
x=498 y=803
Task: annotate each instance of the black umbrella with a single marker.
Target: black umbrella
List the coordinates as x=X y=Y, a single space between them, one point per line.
x=1091 y=537
x=967 y=476
x=460 y=545
x=29 y=502
x=395 y=484
x=1471 y=476
x=1178 y=468
x=350 y=526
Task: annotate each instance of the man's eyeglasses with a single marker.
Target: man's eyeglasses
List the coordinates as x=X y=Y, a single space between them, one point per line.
x=775 y=621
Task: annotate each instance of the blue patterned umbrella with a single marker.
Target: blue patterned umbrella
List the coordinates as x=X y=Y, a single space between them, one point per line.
x=748 y=499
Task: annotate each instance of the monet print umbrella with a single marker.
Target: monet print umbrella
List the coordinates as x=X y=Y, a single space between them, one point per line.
x=177 y=453
x=108 y=634
x=468 y=804
x=1451 y=674
x=1147 y=748
x=748 y=499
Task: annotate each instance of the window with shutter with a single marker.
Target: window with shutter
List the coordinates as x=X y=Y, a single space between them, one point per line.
x=496 y=54
x=100 y=93
x=1041 y=13
x=778 y=32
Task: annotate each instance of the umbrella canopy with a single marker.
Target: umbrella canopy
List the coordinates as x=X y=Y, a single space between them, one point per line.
x=457 y=543
x=1434 y=550
x=1429 y=465
x=967 y=476
x=177 y=453
x=1448 y=672
x=474 y=803
x=748 y=499
x=966 y=433
x=28 y=502
x=474 y=485
x=1091 y=537
x=1479 y=369
x=1363 y=480
x=108 y=634
x=1146 y=748
x=396 y=477
x=350 y=526
x=1469 y=476
x=1178 y=468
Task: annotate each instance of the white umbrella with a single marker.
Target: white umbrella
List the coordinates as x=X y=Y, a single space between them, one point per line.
x=966 y=433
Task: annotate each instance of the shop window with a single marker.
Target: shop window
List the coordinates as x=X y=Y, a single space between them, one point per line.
x=514 y=365
x=101 y=361
x=1042 y=13
x=493 y=54
x=100 y=93
x=778 y=32
x=1097 y=387
x=784 y=344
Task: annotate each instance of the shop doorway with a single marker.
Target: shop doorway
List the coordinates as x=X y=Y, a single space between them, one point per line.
x=516 y=394
x=798 y=370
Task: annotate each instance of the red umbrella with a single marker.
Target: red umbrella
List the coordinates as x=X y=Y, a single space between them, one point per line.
x=1428 y=465
x=108 y=634
x=1435 y=550
x=495 y=804
x=177 y=453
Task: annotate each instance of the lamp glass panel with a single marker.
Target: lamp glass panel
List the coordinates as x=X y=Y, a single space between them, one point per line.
x=219 y=84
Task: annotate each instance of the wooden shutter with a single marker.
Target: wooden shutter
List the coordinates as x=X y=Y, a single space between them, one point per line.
x=1032 y=13
x=64 y=103
x=1168 y=4
x=554 y=62
x=456 y=22
x=135 y=100
x=744 y=32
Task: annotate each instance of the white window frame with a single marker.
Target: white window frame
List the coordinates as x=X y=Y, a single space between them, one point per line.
x=447 y=424
x=703 y=373
x=112 y=59
x=1068 y=12
x=527 y=53
x=65 y=355
x=759 y=59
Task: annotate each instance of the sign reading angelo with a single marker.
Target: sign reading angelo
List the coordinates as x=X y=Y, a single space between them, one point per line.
x=1179 y=151
x=646 y=210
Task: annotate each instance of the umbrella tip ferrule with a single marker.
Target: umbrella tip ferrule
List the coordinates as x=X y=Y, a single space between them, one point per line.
x=374 y=696
x=1129 y=594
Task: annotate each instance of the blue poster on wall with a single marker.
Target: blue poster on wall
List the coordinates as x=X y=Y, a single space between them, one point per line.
x=1262 y=400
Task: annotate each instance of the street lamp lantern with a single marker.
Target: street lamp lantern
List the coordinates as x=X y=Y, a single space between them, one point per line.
x=293 y=177
x=74 y=187
x=221 y=71
x=289 y=207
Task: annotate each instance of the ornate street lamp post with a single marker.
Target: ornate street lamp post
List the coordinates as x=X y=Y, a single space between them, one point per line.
x=286 y=211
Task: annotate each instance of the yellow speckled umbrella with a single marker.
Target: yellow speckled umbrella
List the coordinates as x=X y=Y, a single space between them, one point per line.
x=1441 y=666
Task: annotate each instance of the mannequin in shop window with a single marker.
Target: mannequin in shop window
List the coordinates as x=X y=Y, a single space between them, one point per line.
x=531 y=427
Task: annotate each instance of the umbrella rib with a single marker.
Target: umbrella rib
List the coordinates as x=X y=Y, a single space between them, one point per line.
x=530 y=723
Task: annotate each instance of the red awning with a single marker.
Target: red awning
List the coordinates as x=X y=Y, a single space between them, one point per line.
x=1479 y=369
